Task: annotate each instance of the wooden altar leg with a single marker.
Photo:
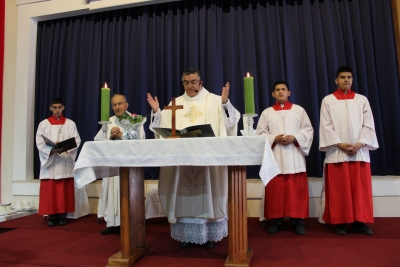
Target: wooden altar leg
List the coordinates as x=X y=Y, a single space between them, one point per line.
x=239 y=252
x=133 y=232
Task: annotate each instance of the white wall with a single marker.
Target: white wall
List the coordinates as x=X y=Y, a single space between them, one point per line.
x=18 y=105
x=10 y=54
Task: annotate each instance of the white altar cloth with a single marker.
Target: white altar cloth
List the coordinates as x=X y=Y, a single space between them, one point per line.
x=99 y=159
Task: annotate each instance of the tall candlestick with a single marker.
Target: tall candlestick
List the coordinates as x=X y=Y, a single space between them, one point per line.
x=249 y=95
x=105 y=103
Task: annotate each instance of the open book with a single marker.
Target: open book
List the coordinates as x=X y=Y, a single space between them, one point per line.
x=202 y=130
x=65 y=145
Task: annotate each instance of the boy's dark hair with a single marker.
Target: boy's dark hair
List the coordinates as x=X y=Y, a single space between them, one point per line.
x=343 y=69
x=280 y=82
x=56 y=101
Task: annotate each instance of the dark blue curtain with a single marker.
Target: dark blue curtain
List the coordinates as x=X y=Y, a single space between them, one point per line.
x=145 y=49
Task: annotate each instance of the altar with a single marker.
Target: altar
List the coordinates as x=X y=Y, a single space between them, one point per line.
x=127 y=159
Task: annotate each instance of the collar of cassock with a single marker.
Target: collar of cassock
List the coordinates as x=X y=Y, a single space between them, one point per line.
x=57 y=120
x=340 y=95
x=285 y=106
x=199 y=96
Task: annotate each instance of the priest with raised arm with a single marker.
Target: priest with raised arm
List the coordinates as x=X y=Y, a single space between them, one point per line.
x=194 y=198
x=109 y=199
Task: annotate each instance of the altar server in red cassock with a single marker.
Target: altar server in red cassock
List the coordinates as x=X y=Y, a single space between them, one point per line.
x=57 y=190
x=290 y=134
x=347 y=133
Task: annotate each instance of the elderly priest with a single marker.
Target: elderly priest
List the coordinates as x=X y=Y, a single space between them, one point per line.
x=109 y=199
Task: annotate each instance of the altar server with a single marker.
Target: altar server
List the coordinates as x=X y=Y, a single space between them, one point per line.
x=289 y=131
x=347 y=133
x=57 y=185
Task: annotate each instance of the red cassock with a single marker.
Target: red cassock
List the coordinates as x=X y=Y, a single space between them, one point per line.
x=287 y=196
x=348 y=193
x=56 y=196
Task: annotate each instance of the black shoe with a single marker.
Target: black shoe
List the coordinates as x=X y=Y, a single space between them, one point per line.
x=184 y=244
x=274 y=228
x=340 y=229
x=62 y=222
x=361 y=228
x=209 y=244
x=299 y=228
x=110 y=230
x=52 y=222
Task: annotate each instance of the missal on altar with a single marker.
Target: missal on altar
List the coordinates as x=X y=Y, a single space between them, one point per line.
x=65 y=145
x=202 y=130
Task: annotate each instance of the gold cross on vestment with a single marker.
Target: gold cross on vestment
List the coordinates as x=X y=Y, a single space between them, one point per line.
x=173 y=108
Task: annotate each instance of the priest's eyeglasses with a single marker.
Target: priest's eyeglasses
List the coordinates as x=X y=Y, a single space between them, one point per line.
x=186 y=83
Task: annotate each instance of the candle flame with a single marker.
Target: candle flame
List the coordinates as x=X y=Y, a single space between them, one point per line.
x=105 y=85
x=248 y=74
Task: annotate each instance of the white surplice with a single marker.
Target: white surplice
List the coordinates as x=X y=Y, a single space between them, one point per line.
x=60 y=166
x=56 y=166
x=195 y=198
x=294 y=121
x=346 y=121
x=109 y=199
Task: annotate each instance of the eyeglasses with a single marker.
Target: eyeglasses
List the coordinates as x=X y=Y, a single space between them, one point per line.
x=186 y=83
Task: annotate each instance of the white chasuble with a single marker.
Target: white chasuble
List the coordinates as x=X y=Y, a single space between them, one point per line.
x=195 y=192
x=205 y=108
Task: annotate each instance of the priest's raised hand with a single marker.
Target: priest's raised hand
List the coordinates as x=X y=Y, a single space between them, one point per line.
x=153 y=102
x=225 y=93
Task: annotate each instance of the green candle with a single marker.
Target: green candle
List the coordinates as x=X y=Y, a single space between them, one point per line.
x=105 y=103
x=249 y=95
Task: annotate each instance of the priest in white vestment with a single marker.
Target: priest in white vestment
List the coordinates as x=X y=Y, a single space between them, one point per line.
x=347 y=133
x=195 y=198
x=59 y=196
x=290 y=134
x=109 y=199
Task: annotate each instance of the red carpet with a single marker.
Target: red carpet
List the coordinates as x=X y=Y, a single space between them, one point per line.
x=79 y=243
